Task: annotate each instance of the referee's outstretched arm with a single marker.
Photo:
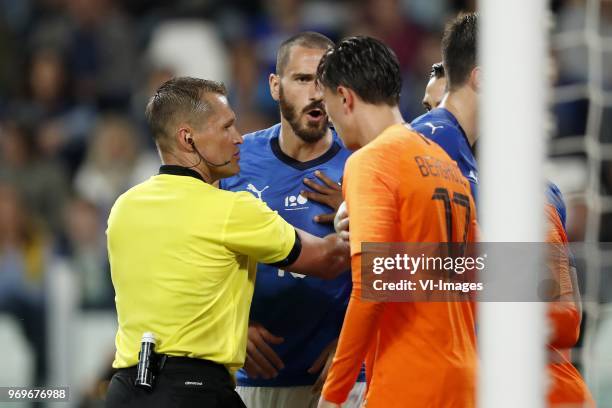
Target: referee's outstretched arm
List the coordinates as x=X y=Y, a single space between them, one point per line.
x=324 y=258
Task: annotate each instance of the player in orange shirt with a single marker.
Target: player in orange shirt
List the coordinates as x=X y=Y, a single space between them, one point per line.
x=567 y=387
x=399 y=187
x=566 y=384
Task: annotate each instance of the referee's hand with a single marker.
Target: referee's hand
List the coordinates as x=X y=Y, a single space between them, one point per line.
x=339 y=254
x=261 y=360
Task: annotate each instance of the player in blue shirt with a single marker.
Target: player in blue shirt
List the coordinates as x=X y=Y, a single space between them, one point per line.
x=452 y=117
x=451 y=120
x=440 y=125
x=295 y=320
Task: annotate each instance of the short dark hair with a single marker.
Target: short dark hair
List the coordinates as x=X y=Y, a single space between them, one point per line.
x=365 y=65
x=459 y=49
x=181 y=96
x=307 y=39
x=437 y=71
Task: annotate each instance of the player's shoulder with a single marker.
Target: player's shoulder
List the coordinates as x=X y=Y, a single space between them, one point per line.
x=440 y=126
x=259 y=138
x=384 y=142
x=387 y=146
x=421 y=120
x=434 y=121
x=406 y=143
x=360 y=156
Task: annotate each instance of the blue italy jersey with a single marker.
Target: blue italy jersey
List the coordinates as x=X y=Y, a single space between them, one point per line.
x=442 y=127
x=307 y=312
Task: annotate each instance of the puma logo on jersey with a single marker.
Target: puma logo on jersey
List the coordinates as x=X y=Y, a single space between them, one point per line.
x=254 y=190
x=433 y=128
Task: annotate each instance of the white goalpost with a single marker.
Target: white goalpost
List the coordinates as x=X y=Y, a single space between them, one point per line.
x=514 y=61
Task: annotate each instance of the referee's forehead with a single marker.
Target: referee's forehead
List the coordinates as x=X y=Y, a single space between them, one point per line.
x=219 y=106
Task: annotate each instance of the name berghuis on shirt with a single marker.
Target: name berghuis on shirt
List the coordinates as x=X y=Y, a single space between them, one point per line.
x=434 y=167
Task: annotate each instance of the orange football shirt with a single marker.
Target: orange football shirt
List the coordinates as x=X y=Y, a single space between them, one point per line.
x=567 y=386
x=402 y=187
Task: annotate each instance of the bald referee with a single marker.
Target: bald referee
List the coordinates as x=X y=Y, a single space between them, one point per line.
x=183 y=256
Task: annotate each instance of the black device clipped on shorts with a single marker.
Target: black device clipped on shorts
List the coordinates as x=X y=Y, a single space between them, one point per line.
x=148 y=363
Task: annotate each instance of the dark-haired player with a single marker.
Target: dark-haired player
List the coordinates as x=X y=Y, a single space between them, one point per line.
x=436 y=87
x=295 y=320
x=419 y=354
x=453 y=125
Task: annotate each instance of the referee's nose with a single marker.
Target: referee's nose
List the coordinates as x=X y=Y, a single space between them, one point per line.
x=237 y=137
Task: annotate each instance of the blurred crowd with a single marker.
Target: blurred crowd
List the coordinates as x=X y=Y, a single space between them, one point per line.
x=74 y=80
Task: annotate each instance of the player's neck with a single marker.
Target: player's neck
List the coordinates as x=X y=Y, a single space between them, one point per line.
x=463 y=104
x=296 y=148
x=374 y=119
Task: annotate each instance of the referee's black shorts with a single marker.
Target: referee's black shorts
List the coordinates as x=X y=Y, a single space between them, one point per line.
x=183 y=382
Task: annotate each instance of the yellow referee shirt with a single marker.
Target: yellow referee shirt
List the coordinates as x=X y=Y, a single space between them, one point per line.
x=183 y=259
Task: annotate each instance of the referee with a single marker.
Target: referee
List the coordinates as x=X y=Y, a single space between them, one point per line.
x=183 y=255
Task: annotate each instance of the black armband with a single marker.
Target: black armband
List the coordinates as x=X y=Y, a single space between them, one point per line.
x=293 y=254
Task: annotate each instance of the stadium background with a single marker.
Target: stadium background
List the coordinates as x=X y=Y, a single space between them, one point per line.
x=74 y=79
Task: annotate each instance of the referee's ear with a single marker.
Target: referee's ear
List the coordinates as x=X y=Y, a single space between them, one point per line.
x=184 y=138
x=274 y=81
